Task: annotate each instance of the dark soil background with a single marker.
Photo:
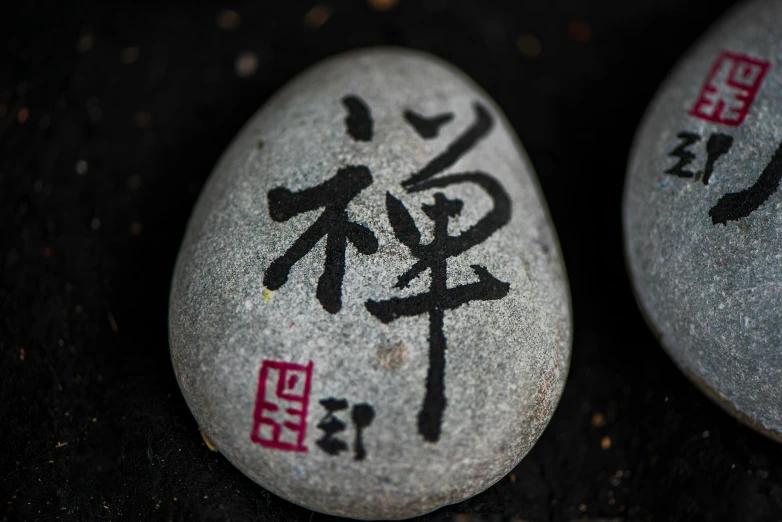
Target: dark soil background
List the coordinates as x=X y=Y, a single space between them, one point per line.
x=111 y=119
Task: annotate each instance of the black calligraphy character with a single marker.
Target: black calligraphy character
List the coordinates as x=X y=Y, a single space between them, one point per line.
x=434 y=256
x=736 y=205
x=359 y=119
x=685 y=156
x=427 y=128
x=333 y=196
x=717 y=145
x=331 y=425
x=362 y=415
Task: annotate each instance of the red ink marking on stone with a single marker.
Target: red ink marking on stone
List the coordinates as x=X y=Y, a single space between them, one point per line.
x=730 y=88
x=280 y=416
x=291 y=325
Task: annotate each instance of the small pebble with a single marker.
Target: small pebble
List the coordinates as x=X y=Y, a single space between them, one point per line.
x=228 y=19
x=350 y=321
x=702 y=216
x=81 y=167
x=112 y=322
x=579 y=31
x=23 y=115
x=135 y=228
x=130 y=55
x=529 y=45
x=142 y=119
x=317 y=16
x=382 y=5
x=85 y=43
x=246 y=64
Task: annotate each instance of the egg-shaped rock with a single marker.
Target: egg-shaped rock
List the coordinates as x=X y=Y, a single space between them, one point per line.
x=703 y=214
x=369 y=312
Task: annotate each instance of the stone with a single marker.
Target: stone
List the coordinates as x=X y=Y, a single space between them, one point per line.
x=702 y=215
x=369 y=312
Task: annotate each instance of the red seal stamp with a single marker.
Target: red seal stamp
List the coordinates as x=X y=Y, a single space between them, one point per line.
x=730 y=89
x=280 y=417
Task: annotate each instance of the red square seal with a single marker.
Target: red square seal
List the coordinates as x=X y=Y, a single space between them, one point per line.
x=280 y=417
x=730 y=89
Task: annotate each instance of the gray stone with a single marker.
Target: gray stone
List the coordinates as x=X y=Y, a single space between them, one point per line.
x=326 y=170
x=703 y=215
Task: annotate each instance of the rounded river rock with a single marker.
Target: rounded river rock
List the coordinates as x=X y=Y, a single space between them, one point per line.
x=369 y=313
x=703 y=215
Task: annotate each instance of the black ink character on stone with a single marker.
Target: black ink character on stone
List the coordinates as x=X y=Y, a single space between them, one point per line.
x=684 y=155
x=362 y=416
x=427 y=128
x=434 y=256
x=717 y=145
x=331 y=425
x=737 y=205
x=333 y=196
x=359 y=119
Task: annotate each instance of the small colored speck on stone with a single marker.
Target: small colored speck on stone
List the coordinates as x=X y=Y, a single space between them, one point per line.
x=267 y=294
x=207 y=442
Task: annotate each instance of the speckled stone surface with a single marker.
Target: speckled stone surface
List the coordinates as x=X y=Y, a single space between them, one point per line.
x=369 y=313
x=703 y=214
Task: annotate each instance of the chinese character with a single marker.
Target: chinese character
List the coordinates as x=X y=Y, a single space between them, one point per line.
x=427 y=128
x=730 y=89
x=434 y=256
x=717 y=145
x=362 y=416
x=333 y=196
x=737 y=205
x=280 y=417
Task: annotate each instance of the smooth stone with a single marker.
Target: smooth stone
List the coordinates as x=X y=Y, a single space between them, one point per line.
x=702 y=215
x=384 y=152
